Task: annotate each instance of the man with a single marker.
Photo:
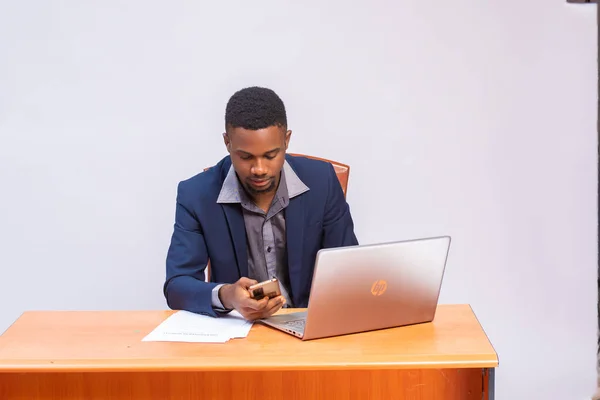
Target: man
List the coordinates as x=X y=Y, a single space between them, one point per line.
x=257 y=214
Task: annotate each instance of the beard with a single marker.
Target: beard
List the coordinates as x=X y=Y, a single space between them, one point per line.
x=254 y=190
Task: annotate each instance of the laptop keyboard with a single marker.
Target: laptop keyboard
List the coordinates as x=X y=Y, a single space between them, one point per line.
x=297 y=325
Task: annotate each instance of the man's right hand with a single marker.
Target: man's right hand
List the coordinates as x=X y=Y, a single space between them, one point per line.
x=236 y=296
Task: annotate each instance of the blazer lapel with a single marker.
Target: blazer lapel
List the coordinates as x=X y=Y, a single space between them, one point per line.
x=294 y=221
x=235 y=222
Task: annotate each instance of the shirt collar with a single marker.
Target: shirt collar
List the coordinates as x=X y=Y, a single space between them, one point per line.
x=232 y=191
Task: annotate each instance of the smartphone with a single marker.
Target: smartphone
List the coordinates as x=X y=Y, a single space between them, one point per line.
x=268 y=289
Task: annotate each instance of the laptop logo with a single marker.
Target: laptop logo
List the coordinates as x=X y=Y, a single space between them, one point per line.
x=378 y=288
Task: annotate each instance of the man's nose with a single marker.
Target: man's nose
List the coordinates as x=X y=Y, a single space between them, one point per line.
x=258 y=168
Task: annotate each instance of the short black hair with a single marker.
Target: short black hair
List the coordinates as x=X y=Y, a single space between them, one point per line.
x=255 y=108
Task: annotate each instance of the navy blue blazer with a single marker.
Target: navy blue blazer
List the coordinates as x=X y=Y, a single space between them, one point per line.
x=316 y=219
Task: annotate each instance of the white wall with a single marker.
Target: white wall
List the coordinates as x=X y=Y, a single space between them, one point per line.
x=470 y=118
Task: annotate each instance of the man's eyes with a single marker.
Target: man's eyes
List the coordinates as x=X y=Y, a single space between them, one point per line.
x=247 y=157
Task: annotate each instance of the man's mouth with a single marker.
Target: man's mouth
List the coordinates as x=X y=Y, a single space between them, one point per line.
x=260 y=182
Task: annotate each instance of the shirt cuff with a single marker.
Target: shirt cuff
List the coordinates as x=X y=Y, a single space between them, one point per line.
x=217 y=305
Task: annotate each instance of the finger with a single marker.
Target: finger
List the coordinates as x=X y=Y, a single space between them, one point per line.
x=273 y=308
x=276 y=300
x=275 y=303
x=255 y=305
x=251 y=315
x=246 y=282
x=249 y=310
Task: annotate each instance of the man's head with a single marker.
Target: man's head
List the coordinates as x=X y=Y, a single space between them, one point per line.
x=256 y=137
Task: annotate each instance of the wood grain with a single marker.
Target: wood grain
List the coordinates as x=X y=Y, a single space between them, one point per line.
x=446 y=384
x=100 y=355
x=110 y=341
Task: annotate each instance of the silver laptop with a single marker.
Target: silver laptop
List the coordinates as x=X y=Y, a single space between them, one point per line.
x=368 y=287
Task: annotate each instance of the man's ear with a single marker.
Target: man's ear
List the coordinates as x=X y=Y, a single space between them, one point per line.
x=227 y=142
x=288 y=135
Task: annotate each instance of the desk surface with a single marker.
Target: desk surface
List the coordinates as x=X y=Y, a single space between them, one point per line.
x=47 y=341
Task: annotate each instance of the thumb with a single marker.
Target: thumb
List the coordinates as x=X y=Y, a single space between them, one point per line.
x=247 y=282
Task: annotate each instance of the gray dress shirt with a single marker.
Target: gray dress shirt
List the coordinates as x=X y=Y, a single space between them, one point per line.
x=265 y=231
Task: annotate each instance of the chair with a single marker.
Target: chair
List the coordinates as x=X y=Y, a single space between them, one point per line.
x=342 y=171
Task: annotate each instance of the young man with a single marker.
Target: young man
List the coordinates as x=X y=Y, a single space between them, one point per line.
x=257 y=214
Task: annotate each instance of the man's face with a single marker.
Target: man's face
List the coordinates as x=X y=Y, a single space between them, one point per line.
x=257 y=156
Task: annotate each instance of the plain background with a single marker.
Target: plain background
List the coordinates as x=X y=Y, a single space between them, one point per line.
x=475 y=119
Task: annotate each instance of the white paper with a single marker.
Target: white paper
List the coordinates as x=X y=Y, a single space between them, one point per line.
x=185 y=326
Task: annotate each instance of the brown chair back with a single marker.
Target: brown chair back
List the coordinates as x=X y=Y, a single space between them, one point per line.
x=341 y=170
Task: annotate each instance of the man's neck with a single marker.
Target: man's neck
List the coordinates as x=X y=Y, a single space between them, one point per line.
x=264 y=201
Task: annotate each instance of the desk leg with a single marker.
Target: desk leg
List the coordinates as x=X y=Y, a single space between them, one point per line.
x=489 y=383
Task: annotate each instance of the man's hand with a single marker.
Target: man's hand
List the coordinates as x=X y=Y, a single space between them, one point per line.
x=236 y=296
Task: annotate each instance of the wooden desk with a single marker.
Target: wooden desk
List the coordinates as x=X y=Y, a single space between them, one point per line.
x=100 y=355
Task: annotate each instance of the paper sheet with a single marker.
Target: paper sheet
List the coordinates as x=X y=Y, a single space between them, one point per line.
x=185 y=326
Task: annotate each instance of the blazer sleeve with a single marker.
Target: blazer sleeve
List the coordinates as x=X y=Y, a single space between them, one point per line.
x=338 y=227
x=185 y=287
